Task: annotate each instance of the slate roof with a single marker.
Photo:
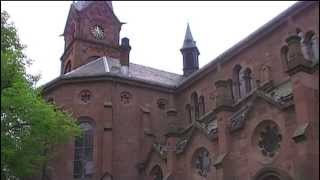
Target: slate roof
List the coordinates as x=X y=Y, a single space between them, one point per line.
x=167 y=79
x=105 y=66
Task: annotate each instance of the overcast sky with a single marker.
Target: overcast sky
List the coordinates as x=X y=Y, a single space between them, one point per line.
x=156 y=29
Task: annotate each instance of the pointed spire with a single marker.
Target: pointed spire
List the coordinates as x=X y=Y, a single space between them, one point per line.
x=188 y=39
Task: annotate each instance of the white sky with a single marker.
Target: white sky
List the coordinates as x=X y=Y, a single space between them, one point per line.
x=156 y=29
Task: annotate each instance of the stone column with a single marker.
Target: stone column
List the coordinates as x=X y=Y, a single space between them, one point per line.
x=171 y=136
x=224 y=102
x=305 y=80
x=106 y=153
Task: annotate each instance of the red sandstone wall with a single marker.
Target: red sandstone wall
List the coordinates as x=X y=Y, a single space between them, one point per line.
x=120 y=154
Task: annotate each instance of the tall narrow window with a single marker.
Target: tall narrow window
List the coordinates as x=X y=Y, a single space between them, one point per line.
x=236 y=82
x=195 y=106
x=83 y=155
x=188 y=113
x=67 y=67
x=201 y=105
x=312 y=46
x=247 y=80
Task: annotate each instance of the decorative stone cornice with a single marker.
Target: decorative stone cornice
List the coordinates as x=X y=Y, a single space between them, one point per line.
x=300 y=133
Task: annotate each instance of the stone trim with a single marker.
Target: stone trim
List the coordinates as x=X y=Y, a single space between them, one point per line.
x=299 y=134
x=218 y=162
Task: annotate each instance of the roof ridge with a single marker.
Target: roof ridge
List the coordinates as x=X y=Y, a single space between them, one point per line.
x=155 y=69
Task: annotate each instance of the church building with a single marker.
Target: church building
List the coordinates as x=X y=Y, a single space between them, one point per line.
x=252 y=113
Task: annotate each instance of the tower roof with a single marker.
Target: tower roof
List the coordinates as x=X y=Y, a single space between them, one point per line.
x=79 y=5
x=188 y=39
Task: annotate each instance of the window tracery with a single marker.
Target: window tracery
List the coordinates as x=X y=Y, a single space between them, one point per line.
x=269 y=140
x=85 y=96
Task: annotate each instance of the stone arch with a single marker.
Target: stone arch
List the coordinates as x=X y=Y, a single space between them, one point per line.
x=270 y=173
x=87 y=119
x=156 y=173
x=106 y=176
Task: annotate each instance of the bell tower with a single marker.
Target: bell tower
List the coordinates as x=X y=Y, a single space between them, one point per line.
x=190 y=54
x=91 y=31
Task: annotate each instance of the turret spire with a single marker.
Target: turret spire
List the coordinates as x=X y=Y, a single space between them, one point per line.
x=188 y=39
x=190 y=54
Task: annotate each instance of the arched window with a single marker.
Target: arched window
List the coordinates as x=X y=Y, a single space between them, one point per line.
x=312 y=46
x=201 y=105
x=269 y=176
x=247 y=80
x=265 y=74
x=106 y=176
x=201 y=161
x=309 y=45
x=236 y=82
x=156 y=173
x=188 y=113
x=67 y=67
x=195 y=106
x=83 y=154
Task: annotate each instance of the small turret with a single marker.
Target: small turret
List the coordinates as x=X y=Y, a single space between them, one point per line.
x=190 y=54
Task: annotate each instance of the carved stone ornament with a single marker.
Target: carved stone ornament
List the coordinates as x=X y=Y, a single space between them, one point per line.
x=162 y=103
x=238 y=119
x=125 y=97
x=85 y=96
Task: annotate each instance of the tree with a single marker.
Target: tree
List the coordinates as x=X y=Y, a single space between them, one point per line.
x=30 y=127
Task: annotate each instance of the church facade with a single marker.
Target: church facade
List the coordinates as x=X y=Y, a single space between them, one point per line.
x=250 y=114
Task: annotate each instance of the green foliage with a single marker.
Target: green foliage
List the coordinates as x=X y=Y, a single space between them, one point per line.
x=30 y=127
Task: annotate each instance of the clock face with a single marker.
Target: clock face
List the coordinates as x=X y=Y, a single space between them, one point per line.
x=98 y=32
